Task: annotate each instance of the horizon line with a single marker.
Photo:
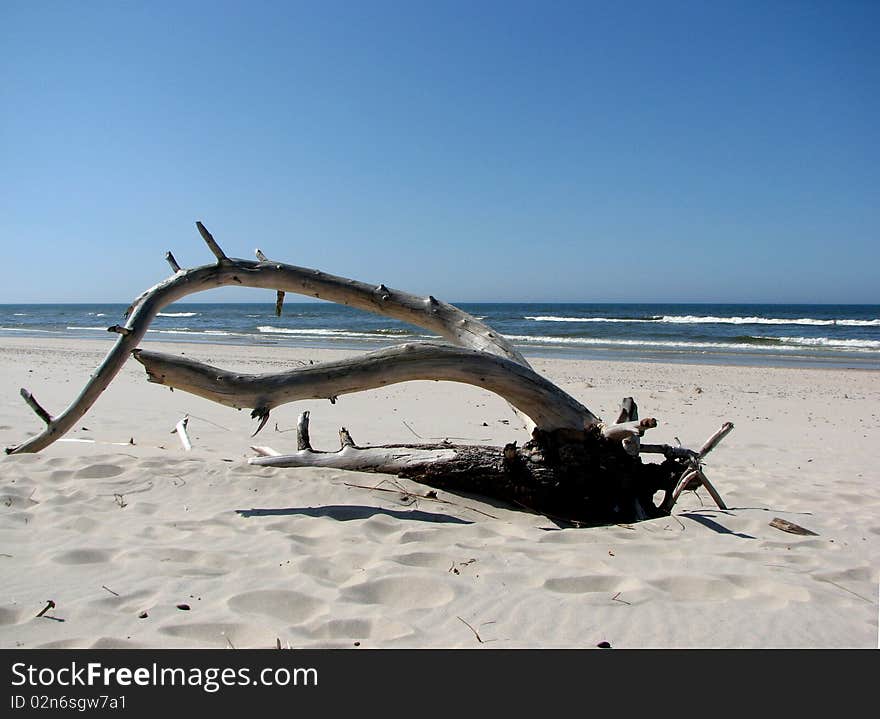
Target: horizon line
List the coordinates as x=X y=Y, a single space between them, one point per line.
x=477 y=302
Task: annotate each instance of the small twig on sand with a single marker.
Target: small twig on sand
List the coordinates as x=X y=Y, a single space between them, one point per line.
x=847 y=590
x=220 y=426
x=476 y=633
x=411 y=429
x=791 y=527
x=50 y=604
x=616 y=598
x=104 y=586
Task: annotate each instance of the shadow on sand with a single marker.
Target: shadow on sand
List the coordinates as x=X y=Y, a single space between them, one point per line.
x=348 y=512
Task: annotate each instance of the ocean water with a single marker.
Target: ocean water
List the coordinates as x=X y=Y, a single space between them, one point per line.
x=748 y=334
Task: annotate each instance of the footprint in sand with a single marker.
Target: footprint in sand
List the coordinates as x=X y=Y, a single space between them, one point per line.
x=780 y=592
x=99 y=471
x=147 y=508
x=306 y=540
x=401 y=592
x=416 y=536
x=426 y=560
x=329 y=573
x=284 y=605
x=591 y=583
x=83 y=556
x=81 y=524
x=700 y=588
x=124 y=602
x=343 y=629
x=380 y=527
x=60 y=475
x=216 y=634
x=11 y=615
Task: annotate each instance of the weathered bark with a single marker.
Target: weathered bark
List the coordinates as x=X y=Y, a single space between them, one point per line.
x=449 y=322
x=579 y=477
x=575 y=466
x=548 y=406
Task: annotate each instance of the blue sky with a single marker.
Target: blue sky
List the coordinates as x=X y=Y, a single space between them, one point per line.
x=477 y=151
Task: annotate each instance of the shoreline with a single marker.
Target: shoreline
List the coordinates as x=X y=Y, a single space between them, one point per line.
x=315 y=558
x=531 y=351
x=755 y=335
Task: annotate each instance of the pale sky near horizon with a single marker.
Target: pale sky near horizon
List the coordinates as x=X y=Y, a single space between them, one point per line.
x=478 y=151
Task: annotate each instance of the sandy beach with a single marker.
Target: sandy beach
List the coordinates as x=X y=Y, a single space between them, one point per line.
x=141 y=544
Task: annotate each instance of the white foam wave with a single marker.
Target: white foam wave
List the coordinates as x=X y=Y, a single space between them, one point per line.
x=554 y=318
x=186 y=331
x=693 y=319
x=266 y=329
x=176 y=314
x=23 y=329
x=829 y=342
x=792 y=344
x=537 y=339
x=710 y=319
x=176 y=331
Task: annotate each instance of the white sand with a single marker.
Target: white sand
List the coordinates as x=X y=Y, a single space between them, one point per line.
x=109 y=531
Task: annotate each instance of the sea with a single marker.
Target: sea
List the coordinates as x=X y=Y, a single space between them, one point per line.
x=739 y=334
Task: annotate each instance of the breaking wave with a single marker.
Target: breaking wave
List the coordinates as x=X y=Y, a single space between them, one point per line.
x=746 y=343
x=374 y=334
x=709 y=319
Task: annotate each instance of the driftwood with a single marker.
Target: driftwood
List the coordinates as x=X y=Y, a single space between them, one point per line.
x=545 y=404
x=791 y=527
x=180 y=431
x=574 y=466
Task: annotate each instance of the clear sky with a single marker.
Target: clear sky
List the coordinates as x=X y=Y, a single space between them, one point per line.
x=474 y=150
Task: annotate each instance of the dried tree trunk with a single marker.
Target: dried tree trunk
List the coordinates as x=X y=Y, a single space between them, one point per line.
x=574 y=466
x=548 y=406
x=581 y=477
x=448 y=321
